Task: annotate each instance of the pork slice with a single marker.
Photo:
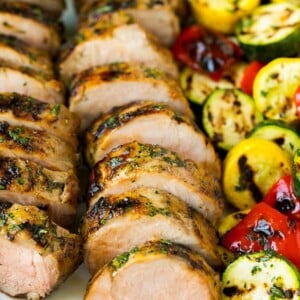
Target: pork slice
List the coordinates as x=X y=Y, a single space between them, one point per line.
x=36 y=145
x=36 y=255
x=56 y=119
x=136 y=165
x=98 y=90
x=158 y=18
x=114 y=38
x=54 y=6
x=20 y=81
x=156 y=270
x=30 y=24
x=117 y=223
x=16 y=53
x=151 y=123
x=28 y=183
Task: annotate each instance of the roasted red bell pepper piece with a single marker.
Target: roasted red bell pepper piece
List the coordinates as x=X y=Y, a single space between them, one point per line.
x=297 y=100
x=249 y=76
x=265 y=228
x=206 y=51
x=283 y=198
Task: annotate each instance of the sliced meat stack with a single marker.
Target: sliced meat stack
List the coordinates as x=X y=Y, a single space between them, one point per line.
x=100 y=89
x=39 y=185
x=36 y=255
x=154 y=196
x=117 y=223
x=157 y=270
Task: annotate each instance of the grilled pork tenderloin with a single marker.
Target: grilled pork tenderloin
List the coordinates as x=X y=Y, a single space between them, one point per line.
x=36 y=255
x=114 y=38
x=156 y=270
x=54 y=6
x=16 y=53
x=36 y=145
x=29 y=83
x=28 y=183
x=56 y=119
x=31 y=24
x=152 y=123
x=98 y=90
x=117 y=223
x=134 y=165
x=158 y=17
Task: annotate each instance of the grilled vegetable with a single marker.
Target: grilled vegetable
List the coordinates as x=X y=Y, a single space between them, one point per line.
x=205 y=51
x=261 y=275
x=296 y=172
x=249 y=75
x=228 y=115
x=231 y=220
x=265 y=228
x=226 y=12
x=270 y=31
x=274 y=89
x=250 y=170
x=279 y=132
x=282 y=197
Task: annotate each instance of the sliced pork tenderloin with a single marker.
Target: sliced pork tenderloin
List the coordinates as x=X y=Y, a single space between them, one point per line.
x=136 y=165
x=38 y=146
x=29 y=83
x=114 y=38
x=98 y=90
x=31 y=24
x=151 y=123
x=16 y=53
x=28 y=183
x=155 y=270
x=117 y=223
x=36 y=255
x=56 y=119
x=157 y=17
x=54 y=6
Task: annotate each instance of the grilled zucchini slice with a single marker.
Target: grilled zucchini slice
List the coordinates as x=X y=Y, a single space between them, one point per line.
x=250 y=170
x=280 y=133
x=296 y=172
x=274 y=87
x=261 y=275
x=270 y=31
x=228 y=115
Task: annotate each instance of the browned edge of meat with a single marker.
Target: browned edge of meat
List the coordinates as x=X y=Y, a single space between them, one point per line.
x=38 y=146
x=55 y=7
x=27 y=183
x=151 y=123
x=16 y=80
x=135 y=165
x=56 y=119
x=157 y=17
x=114 y=38
x=36 y=255
x=160 y=270
x=117 y=223
x=17 y=53
x=30 y=23
x=98 y=90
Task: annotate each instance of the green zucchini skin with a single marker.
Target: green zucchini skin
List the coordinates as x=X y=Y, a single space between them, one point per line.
x=261 y=275
x=296 y=172
x=228 y=115
x=267 y=49
x=279 y=132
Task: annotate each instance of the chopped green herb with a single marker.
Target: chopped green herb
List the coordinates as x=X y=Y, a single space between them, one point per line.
x=55 y=109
